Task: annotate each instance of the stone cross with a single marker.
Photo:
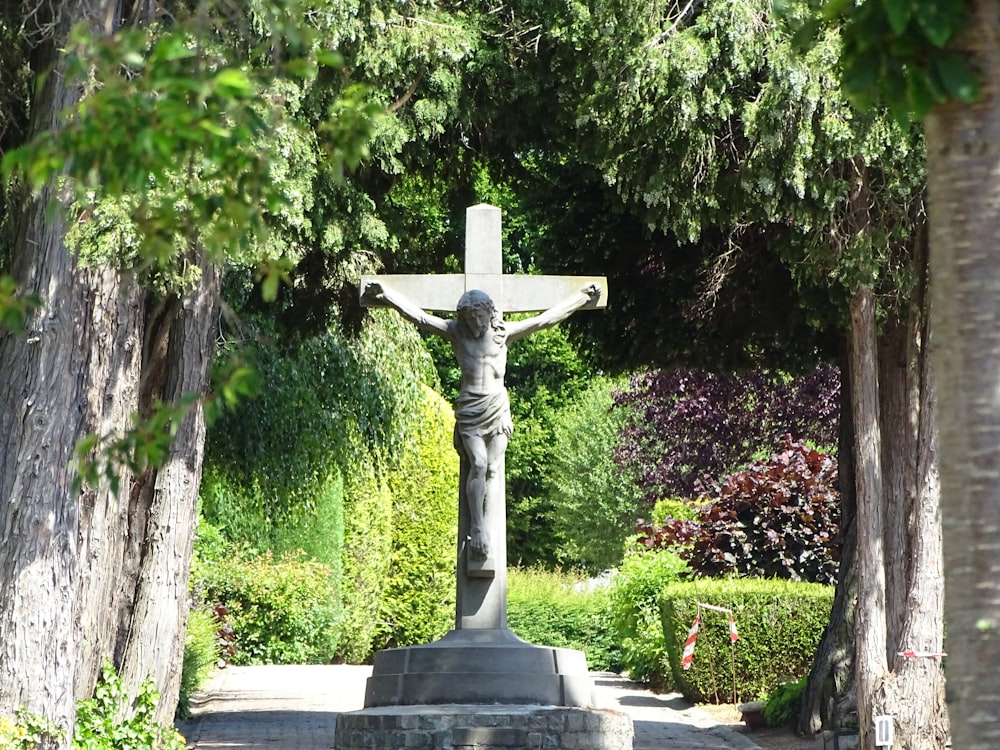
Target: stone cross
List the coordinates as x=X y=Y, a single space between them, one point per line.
x=481 y=591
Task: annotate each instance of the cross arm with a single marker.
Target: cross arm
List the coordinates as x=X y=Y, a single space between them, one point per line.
x=512 y=293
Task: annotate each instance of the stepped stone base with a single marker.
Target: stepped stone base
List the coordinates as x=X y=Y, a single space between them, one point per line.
x=477 y=727
x=486 y=666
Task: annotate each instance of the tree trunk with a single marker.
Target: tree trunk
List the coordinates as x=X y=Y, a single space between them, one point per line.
x=47 y=377
x=68 y=579
x=167 y=500
x=830 y=693
x=915 y=599
x=964 y=196
x=104 y=515
x=870 y=640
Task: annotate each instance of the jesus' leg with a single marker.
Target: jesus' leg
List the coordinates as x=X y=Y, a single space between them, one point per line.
x=475 y=489
x=496 y=446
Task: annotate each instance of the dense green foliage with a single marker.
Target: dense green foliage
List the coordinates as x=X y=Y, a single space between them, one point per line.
x=565 y=611
x=366 y=558
x=306 y=465
x=418 y=601
x=635 y=616
x=595 y=502
x=99 y=722
x=283 y=610
x=900 y=53
x=201 y=653
x=779 y=624
x=782 y=704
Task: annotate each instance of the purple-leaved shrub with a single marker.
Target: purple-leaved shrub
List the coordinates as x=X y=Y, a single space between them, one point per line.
x=779 y=518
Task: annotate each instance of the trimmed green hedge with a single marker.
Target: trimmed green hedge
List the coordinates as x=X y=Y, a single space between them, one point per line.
x=365 y=559
x=780 y=623
x=561 y=610
x=418 y=602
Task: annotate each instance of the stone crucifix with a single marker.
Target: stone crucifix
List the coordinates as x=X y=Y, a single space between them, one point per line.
x=479 y=337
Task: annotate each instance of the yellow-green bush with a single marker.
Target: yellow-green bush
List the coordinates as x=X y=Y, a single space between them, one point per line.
x=364 y=559
x=418 y=602
x=635 y=614
x=201 y=652
x=779 y=622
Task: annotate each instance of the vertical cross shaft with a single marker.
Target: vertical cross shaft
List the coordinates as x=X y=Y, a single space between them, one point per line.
x=481 y=589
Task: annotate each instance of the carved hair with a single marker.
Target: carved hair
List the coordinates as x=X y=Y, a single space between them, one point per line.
x=475 y=299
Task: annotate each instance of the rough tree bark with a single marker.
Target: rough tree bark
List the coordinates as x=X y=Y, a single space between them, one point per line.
x=870 y=640
x=830 y=695
x=898 y=571
x=964 y=198
x=152 y=646
x=47 y=378
x=85 y=575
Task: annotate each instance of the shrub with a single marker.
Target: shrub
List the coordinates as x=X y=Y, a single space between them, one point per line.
x=365 y=559
x=780 y=624
x=686 y=425
x=248 y=511
x=670 y=509
x=28 y=731
x=595 y=502
x=564 y=611
x=777 y=519
x=283 y=611
x=201 y=652
x=99 y=722
x=634 y=602
x=418 y=603
x=782 y=705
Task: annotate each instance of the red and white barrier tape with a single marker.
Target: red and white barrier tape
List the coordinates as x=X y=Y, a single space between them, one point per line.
x=911 y=654
x=688 y=654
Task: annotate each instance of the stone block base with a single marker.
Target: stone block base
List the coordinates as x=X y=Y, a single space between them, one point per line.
x=474 y=727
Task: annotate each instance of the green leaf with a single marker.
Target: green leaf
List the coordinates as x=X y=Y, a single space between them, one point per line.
x=939 y=19
x=836 y=9
x=214 y=128
x=329 y=58
x=921 y=93
x=957 y=77
x=233 y=82
x=861 y=76
x=806 y=35
x=898 y=12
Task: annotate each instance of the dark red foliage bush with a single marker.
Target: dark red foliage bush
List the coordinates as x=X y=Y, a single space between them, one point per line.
x=776 y=519
x=686 y=425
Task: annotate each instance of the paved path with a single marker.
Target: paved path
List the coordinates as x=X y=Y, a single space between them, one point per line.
x=296 y=707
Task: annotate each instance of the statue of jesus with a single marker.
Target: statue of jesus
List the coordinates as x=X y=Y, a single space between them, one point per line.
x=479 y=337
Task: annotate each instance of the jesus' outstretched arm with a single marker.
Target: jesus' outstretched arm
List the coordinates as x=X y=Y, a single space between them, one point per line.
x=375 y=290
x=556 y=314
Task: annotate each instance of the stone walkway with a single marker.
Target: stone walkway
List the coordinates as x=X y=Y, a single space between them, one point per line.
x=296 y=707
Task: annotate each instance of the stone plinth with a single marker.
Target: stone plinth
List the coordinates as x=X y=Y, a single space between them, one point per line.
x=475 y=727
x=482 y=667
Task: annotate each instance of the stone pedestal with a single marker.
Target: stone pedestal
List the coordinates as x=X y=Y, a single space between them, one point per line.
x=475 y=727
x=483 y=667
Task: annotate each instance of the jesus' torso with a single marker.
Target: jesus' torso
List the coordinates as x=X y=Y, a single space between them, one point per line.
x=482 y=360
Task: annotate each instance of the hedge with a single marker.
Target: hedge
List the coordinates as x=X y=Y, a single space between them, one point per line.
x=418 y=602
x=779 y=622
x=283 y=611
x=561 y=610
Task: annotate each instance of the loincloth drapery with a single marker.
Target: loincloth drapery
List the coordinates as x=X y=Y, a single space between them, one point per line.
x=482 y=415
